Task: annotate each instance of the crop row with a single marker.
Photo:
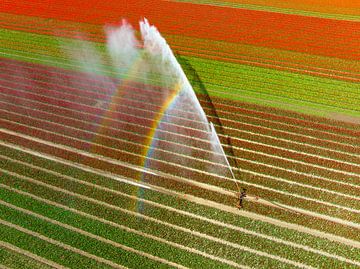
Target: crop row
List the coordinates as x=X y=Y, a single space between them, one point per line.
x=130 y=138
x=328 y=128
x=222 y=30
x=114 y=143
x=254 y=123
x=287 y=112
x=45 y=249
x=85 y=243
x=257 y=76
x=28 y=69
x=257 y=122
x=279 y=89
x=327 y=209
x=67 y=122
x=153 y=195
x=96 y=34
x=177 y=45
x=229 y=71
x=235 y=75
x=221 y=105
x=174 y=185
x=241 y=164
x=280 y=152
x=265 y=55
x=333 y=127
x=14 y=259
x=151 y=227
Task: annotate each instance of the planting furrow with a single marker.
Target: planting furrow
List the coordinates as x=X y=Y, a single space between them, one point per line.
x=132 y=139
x=313 y=200
x=149 y=112
x=175 y=45
x=310 y=144
x=14 y=165
x=21 y=258
x=139 y=215
x=90 y=127
x=70 y=166
x=99 y=162
x=254 y=153
x=221 y=31
x=289 y=93
x=311 y=98
x=173 y=216
x=340 y=188
x=268 y=207
x=263 y=63
x=297 y=100
x=105 y=239
x=293 y=142
x=198 y=234
x=67 y=133
x=57 y=232
x=195 y=60
x=238 y=59
x=276 y=134
x=238 y=73
x=238 y=108
x=288 y=117
x=237 y=154
x=181 y=167
x=98 y=29
x=180 y=231
x=57 y=53
x=53 y=195
x=17 y=235
x=330 y=200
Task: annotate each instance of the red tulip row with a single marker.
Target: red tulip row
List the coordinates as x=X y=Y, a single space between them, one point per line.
x=283 y=31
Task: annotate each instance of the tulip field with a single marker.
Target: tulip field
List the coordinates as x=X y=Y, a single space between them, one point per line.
x=82 y=187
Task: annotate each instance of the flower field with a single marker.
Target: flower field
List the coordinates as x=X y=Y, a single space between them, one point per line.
x=280 y=83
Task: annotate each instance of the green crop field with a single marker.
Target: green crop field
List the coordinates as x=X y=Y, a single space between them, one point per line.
x=93 y=175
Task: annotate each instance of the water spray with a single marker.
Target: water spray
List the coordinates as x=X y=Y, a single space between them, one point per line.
x=223 y=152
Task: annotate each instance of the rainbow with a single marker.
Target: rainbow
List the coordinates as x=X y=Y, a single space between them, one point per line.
x=149 y=142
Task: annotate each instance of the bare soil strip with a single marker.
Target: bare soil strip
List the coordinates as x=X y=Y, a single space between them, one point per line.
x=198 y=200
x=31 y=255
